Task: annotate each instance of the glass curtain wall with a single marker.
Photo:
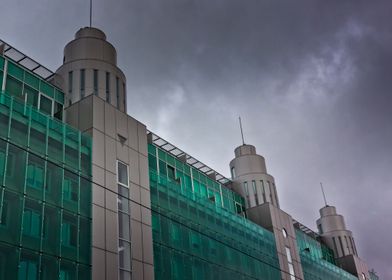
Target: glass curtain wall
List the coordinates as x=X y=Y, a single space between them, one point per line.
x=124 y=247
x=318 y=261
x=30 y=89
x=45 y=196
x=197 y=232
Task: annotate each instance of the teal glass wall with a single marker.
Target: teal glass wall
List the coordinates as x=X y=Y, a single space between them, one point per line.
x=194 y=183
x=31 y=89
x=45 y=196
x=317 y=262
x=196 y=234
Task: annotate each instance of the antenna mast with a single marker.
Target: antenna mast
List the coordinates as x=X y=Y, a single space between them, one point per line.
x=242 y=133
x=322 y=190
x=91 y=12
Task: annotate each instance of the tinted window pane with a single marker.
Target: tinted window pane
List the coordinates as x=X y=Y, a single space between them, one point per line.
x=122 y=174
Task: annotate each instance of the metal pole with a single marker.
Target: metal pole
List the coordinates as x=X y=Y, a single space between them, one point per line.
x=242 y=133
x=91 y=12
x=322 y=190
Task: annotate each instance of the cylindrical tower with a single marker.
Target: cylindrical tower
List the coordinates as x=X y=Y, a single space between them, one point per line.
x=250 y=177
x=333 y=231
x=90 y=67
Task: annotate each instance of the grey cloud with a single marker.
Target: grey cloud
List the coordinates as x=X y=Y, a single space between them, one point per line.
x=311 y=80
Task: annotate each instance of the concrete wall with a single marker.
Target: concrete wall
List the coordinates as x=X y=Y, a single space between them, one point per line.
x=90 y=51
x=108 y=127
x=246 y=167
x=277 y=221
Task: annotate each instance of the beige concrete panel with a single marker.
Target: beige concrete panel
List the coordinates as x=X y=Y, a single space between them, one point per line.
x=111 y=266
x=111 y=181
x=101 y=85
x=98 y=234
x=72 y=115
x=76 y=85
x=98 y=175
x=98 y=157
x=145 y=198
x=122 y=125
x=111 y=200
x=89 y=89
x=135 y=211
x=135 y=192
x=98 y=264
x=144 y=176
x=111 y=231
x=147 y=244
x=110 y=121
x=136 y=240
x=134 y=175
x=85 y=113
x=98 y=195
x=98 y=113
x=110 y=154
x=148 y=272
x=132 y=133
x=122 y=152
x=146 y=216
x=142 y=138
x=137 y=269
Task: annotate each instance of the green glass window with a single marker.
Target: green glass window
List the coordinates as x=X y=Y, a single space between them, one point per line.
x=45 y=105
x=152 y=162
x=69 y=234
x=4 y=214
x=32 y=223
x=1 y=78
x=3 y=146
x=70 y=190
x=14 y=87
x=37 y=135
x=67 y=271
x=15 y=70
x=162 y=168
x=54 y=179
x=47 y=89
x=19 y=128
x=28 y=270
x=35 y=173
x=31 y=80
x=32 y=96
x=171 y=172
x=16 y=163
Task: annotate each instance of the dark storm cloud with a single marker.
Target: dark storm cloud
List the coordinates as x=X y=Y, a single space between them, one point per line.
x=311 y=80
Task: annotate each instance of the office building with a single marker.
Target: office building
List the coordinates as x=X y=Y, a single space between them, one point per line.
x=88 y=192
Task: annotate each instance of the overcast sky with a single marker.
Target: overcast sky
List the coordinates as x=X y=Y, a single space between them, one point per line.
x=310 y=79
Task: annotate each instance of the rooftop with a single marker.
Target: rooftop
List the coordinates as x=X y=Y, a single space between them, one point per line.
x=180 y=154
x=12 y=53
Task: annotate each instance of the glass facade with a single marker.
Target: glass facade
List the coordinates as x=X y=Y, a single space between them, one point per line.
x=124 y=229
x=197 y=232
x=30 y=89
x=318 y=260
x=45 y=192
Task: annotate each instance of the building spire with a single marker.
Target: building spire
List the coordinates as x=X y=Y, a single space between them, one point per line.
x=91 y=12
x=242 y=133
x=322 y=190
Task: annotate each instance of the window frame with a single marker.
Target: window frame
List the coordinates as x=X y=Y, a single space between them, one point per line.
x=127 y=168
